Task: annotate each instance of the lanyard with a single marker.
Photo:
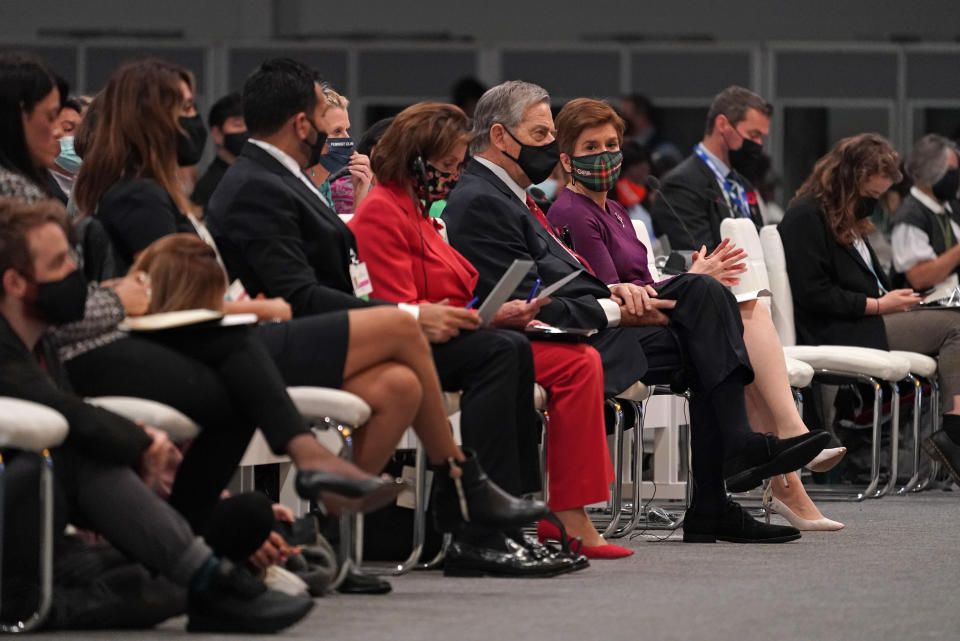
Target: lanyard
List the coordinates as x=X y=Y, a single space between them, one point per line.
x=868 y=260
x=737 y=196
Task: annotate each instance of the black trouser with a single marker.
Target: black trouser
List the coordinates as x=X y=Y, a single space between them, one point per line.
x=494 y=370
x=107 y=498
x=223 y=379
x=705 y=339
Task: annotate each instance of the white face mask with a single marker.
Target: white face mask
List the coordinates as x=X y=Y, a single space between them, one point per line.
x=548 y=187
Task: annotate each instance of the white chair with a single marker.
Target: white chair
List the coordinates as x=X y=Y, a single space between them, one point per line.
x=33 y=428
x=832 y=363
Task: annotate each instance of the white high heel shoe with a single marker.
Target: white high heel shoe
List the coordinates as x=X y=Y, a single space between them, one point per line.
x=827 y=459
x=773 y=505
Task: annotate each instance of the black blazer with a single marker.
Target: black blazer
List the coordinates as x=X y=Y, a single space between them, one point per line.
x=491 y=227
x=278 y=237
x=95 y=432
x=830 y=282
x=699 y=202
x=137 y=212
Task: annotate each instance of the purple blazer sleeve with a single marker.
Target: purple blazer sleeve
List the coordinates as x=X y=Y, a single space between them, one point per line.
x=588 y=235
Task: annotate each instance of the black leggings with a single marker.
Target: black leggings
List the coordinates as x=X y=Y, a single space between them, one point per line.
x=221 y=378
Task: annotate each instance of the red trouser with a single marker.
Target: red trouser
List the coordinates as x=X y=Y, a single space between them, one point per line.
x=578 y=462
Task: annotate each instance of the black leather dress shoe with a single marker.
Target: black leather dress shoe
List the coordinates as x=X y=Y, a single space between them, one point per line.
x=346 y=494
x=230 y=599
x=941 y=447
x=355 y=583
x=573 y=560
x=465 y=494
x=733 y=524
x=507 y=559
x=765 y=455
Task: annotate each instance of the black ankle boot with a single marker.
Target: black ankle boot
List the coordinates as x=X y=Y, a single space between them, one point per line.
x=464 y=494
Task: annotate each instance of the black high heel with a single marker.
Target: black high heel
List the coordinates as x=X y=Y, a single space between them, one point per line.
x=465 y=494
x=344 y=494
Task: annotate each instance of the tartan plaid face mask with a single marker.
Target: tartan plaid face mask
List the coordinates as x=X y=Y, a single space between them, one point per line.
x=597 y=172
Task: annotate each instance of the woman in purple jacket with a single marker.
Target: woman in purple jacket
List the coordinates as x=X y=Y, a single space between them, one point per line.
x=589 y=133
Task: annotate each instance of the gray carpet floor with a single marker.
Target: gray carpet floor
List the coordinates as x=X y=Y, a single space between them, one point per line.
x=891 y=574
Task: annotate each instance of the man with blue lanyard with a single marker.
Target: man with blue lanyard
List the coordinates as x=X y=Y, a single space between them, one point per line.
x=709 y=185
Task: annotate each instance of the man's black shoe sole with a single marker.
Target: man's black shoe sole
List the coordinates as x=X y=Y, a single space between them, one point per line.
x=789 y=460
x=475 y=571
x=202 y=623
x=713 y=538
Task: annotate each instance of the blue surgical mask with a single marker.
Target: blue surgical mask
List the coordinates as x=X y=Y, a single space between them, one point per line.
x=68 y=160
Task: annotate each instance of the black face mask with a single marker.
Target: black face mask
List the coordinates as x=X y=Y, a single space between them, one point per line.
x=62 y=301
x=315 y=147
x=234 y=142
x=865 y=207
x=537 y=162
x=946 y=188
x=190 y=145
x=747 y=159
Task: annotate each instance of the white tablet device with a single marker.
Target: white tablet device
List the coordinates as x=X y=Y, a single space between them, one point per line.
x=502 y=291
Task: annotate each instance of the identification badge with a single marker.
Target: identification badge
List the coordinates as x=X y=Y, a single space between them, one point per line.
x=360 y=279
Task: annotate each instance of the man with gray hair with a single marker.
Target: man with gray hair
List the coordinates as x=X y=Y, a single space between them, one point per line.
x=686 y=331
x=926 y=249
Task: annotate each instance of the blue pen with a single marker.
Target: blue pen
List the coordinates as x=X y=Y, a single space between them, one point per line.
x=472 y=302
x=533 y=292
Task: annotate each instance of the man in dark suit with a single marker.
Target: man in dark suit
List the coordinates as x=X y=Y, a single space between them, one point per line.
x=97 y=466
x=228 y=132
x=710 y=185
x=645 y=333
x=277 y=234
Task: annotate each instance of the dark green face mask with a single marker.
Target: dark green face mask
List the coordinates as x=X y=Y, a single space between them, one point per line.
x=597 y=172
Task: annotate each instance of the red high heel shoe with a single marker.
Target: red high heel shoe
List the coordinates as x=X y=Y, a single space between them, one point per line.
x=546 y=530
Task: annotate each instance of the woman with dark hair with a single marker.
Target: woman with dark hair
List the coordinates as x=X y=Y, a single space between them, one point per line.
x=417 y=162
x=589 y=134
x=30 y=103
x=842 y=296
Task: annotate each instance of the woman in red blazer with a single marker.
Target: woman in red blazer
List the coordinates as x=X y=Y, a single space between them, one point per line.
x=416 y=163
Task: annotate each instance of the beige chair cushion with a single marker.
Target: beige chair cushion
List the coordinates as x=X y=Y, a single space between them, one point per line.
x=920 y=364
x=29 y=426
x=800 y=374
x=637 y=392
x=540 y=397
x=852 y=360
x=743 y=232
x=317 y=403
x=172 y=421
x=781 y=299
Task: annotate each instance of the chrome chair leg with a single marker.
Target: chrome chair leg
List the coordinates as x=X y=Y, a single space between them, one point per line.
x=917 y=409
x=637 y=472
x=543 y=416
x=841 y=494
x=36 y=619
x=348 y=524
x=935 y=419
x=616 y=499
x=438 y=559
x=894 y=440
